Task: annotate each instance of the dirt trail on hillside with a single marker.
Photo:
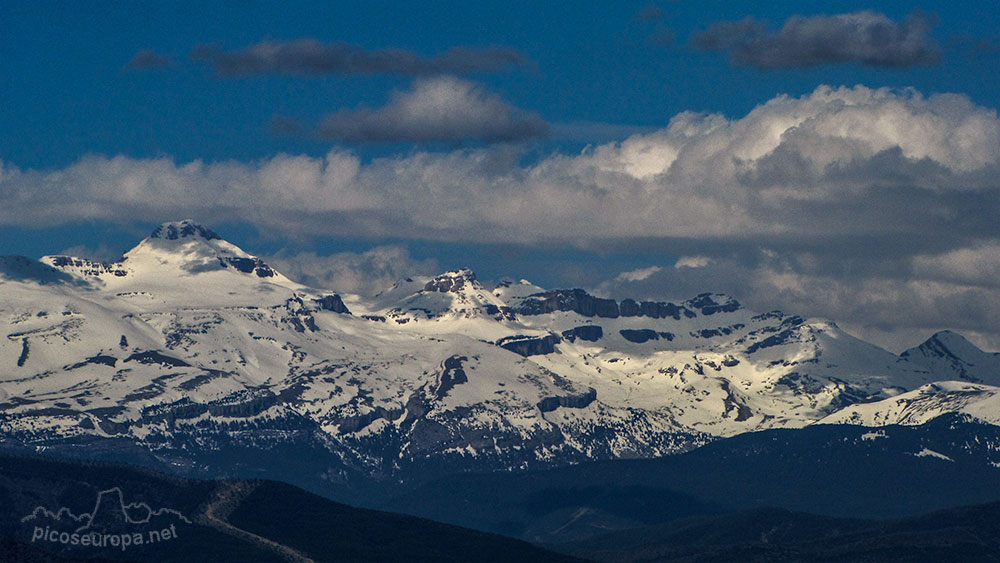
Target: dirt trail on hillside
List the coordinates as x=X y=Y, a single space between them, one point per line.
x=227 y=499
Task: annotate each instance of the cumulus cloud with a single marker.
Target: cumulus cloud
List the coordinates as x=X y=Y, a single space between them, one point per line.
x=840 y=162
x=878 y=206
x=366 y=273
x=309 y=57
x=865 y=37
x=596 y=131
x=435 y=109
x=147 y=59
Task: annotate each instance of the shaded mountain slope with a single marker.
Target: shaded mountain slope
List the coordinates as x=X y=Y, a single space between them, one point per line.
x=968 y=534
x=834 y=470
x=216 y=521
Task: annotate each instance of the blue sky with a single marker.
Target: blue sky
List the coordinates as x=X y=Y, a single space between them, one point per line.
x=67 y=94
x=513 y=119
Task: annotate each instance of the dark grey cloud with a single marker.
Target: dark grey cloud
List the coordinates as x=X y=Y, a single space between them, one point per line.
x=868 y=38
x=305 y=57
x=148 y=59
x=441 y=109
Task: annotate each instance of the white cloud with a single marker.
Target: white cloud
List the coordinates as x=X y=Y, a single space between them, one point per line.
x=835 y=162
x=639 y=274
x=873 y=205
x=691 y=262
x=365 y=273
x=895 y=308
x=441 y=109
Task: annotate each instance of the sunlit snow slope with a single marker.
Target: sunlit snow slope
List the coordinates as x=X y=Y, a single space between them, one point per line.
x=189 y=345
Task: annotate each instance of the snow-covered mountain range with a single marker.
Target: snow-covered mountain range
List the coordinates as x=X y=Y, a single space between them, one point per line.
x=188 y=345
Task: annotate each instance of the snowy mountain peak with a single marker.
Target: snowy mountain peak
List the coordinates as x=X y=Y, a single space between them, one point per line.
x=174 y=230
x=174 y=251
x=185 y=239
x=454 y=281
x=190 y=342
x=945 y=344
x=953 y=340
x=456 y=294
x=194 y=249
x=514 y=292
x=951 y=353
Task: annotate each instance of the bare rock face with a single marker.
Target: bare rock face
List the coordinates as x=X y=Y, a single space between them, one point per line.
x=576 y=300
x=452 y=374
x=333 y=303
x=588 y=333
x=644 y=335
x=582 y=303
x=530 y=346
x=183 y=229
x=453 y=282
x=577 y=401
x=248 y=266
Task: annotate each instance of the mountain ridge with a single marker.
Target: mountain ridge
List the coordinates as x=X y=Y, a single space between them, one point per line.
x=190 y=347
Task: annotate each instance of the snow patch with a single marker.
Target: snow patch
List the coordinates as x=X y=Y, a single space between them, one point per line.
x=931 y=453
